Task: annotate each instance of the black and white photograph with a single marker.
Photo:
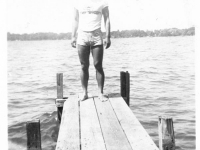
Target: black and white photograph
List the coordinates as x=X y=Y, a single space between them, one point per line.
x=100 y=75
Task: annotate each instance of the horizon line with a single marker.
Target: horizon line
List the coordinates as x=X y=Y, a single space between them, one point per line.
x=105 y=31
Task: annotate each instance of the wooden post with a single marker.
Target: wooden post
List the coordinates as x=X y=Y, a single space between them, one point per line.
x=125 y=86
x=60 y=85
x=59 y=94
x=166 y=134
x=33 y=135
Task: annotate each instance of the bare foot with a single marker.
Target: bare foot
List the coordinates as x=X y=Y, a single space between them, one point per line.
x=82 y=97
x=103 y=97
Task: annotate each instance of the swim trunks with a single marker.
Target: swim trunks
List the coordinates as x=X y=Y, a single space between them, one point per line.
x=90 y=38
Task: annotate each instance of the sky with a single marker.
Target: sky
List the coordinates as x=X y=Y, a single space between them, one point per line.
x=31 y=16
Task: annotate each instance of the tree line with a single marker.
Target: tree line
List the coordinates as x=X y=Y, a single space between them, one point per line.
x=114 y=34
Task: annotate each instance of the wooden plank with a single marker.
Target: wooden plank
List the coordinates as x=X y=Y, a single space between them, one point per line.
x=60 y=102
x=91 y=135
x=166 y=133
x=114 y=137
x=68 y=137
x=33 y=135
x=136 y=134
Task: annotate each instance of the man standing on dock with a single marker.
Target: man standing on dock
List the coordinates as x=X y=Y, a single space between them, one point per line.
x=87 y=18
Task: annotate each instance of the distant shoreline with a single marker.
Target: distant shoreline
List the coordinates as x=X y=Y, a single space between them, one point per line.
x=114 y=34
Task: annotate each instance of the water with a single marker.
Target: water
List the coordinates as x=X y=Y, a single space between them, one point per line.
x=161 y=84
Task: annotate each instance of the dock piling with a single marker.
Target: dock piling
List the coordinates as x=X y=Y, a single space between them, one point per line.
x=33 y=135
x=166 y=133
x=60 y=85
x=60 y=100
x=125 y=86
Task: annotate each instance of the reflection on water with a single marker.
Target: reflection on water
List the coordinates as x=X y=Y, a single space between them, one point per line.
x=161 y=81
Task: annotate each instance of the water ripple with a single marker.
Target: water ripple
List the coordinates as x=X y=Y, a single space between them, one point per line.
x=161 y=82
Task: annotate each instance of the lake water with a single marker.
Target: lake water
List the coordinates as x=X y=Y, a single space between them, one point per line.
x=161 y=84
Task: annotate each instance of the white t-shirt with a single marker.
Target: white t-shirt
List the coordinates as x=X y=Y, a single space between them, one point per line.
x=90 y=13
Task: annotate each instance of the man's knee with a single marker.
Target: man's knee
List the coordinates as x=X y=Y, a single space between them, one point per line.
x=85 y=67
x=98 y=66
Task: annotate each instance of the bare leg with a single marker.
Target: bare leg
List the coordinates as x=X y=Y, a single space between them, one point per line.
x=97 y=53
x=84 y=53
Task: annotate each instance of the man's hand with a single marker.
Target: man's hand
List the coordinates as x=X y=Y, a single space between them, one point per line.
x=107 y=42
x=73 y=42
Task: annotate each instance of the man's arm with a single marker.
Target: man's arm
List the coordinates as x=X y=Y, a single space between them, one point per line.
x=105 y=13
x=75 y=23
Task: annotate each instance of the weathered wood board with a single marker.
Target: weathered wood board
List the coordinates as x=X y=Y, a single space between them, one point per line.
x=136 y=134
x=91 y=135
x=69 y=137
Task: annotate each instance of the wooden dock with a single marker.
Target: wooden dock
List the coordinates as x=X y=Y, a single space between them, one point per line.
x=96 y=125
